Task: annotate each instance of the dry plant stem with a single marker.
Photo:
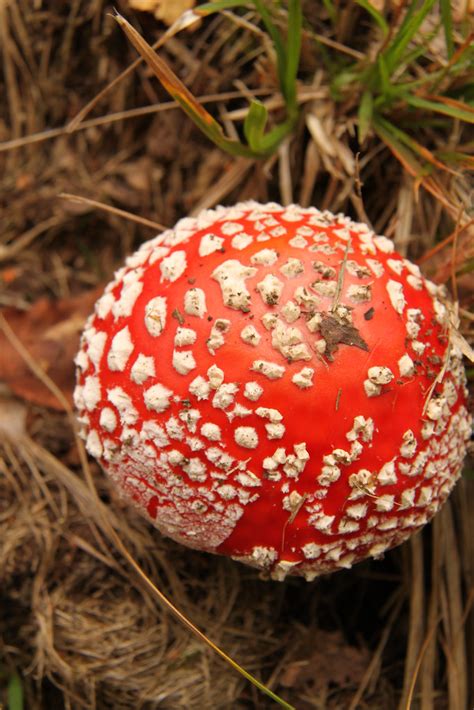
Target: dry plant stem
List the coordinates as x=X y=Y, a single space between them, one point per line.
x=286 y=189
x=428 y=660
x=273 y=103
x=312 y=164
x=411 y=690
x=229 y=181
x=454 y=246
x=9 y=251
x=14 y=103
x=405 y=215
x=303 y=97
x=127 y=114
x=103 y=519
x=79 y=118
x=453 y=616
x=464 y=504
x=156 y=226
x=416 y=617
x=180 y=92
x=374 y=665
x=356 y=194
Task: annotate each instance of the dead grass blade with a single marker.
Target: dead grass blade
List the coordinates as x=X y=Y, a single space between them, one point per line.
x=464 y=502
x=179 y=25
x=416 y=623
x=286 y=188
x=427 y=701
x=453 y=616
x=80 y=199
x=427 y=657
x=127 y=114
x=9 y=251
x=229 y=181
x=375 y=662
x=413 y=167
x=444 y=243
x=178 y=91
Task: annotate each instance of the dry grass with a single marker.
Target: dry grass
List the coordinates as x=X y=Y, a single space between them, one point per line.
x=76 y=622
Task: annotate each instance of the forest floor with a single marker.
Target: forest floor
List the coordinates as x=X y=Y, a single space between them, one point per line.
x=78 y=629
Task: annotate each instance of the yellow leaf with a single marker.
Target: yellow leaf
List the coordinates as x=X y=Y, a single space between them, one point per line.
x=168 y=11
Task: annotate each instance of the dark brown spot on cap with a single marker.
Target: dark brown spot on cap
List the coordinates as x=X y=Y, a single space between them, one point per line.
x=335 y=332
x=178 y=316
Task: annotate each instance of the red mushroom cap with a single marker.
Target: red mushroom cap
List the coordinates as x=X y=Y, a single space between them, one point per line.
x=277 y=385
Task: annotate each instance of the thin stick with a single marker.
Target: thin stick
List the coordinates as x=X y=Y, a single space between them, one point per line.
x=230 y=179
x=355 y=702
x=416 y=618
x=8 y=251
x=174 y=29
x=421 y=655
x=454 y=247
x=431 y=252
x=50 y=133
x=340 y=277
x=457 y=671
x=427 y=656
x=284 y=173
x=114 y=210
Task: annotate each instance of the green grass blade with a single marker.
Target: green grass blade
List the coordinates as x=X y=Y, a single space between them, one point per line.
x=417 y=148
x=345 y=78
x=403 y=87
x=365 y=113
x=408 y=29
x=15 y=693
x=384 y=129
x=414 y=53
x=295 y=21
x=277 y=43
x=384 y=76
x=254 y=124
x=447 y=22
x=376 y=15
x=273 y=138
x=463 y=112
x=457 y=158
x=178 y=91
x=466 y=268
x=209 y=8
x=331 y=10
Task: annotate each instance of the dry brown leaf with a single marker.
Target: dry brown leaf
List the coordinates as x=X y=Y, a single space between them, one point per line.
x=168 y=11
x=330 y=660
x=50 y=331
x=12 y=418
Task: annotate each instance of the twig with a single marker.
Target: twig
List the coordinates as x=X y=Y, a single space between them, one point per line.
x=114 y=210
x=180 y=24
x=340 y=276
x=124 y=115
x=416 y=620
x=355 y=702
x=454 y=235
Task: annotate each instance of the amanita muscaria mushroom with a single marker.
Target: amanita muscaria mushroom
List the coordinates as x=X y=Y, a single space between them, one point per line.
x=277 y=385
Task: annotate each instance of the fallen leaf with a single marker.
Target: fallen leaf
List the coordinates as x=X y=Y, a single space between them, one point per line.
x=324 y=658
x=168 y=11
x=12 y=418
x=50 y=332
